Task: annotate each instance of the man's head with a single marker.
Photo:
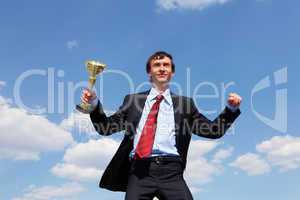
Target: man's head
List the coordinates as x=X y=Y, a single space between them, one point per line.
x=160 y=67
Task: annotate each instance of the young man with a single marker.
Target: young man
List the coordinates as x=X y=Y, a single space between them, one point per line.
x=158 y=125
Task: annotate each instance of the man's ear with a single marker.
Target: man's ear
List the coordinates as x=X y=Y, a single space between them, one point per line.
x=149 y=76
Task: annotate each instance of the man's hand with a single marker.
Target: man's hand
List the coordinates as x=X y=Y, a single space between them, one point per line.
x=234 y=100
x=88 y=96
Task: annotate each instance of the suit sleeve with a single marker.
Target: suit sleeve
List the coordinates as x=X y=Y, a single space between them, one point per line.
x=108 y=125
x=202 y=126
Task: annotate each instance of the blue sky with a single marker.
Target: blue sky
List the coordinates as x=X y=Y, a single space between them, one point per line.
x=55 y=154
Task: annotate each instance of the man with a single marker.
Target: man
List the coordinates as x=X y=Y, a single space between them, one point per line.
x=158 y=125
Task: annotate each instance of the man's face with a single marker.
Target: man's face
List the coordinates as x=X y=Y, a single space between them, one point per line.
x=161 y=70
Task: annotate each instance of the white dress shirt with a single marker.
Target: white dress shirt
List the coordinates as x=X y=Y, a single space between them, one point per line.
x=164 y=140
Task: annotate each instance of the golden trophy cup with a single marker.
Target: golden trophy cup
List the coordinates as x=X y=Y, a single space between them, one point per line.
x=94 y=68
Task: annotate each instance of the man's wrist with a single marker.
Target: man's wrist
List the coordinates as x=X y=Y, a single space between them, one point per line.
x=94 y=102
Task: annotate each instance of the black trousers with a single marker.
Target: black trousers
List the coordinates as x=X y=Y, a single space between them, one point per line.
x=160 y=177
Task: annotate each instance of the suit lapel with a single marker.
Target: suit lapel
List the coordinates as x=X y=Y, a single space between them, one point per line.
x=139 y=103
x=177 y=110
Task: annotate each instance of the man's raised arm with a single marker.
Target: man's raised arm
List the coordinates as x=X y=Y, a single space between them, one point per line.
x=106 y=125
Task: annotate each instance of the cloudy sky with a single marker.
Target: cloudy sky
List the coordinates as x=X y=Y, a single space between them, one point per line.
x=48 y=151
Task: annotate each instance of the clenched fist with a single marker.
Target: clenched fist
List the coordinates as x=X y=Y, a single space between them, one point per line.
x=88 y=96
x=234 y=100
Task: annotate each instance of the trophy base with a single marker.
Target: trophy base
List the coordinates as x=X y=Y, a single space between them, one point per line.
x=84 y=108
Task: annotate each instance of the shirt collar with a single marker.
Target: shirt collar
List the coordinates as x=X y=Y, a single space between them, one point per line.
x=167 y=95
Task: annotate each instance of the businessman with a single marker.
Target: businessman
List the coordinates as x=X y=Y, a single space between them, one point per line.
x=158 y=126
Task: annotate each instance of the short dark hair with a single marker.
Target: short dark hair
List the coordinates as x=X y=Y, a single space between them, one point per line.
x=157 y=56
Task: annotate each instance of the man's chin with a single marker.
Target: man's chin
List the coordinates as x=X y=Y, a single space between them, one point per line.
x=162 y=80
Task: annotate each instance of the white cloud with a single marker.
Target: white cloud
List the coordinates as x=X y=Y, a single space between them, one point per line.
x=24 y=136
x=188 y=4
x=199 y=148
x=68 y=190
x=252 y=164
x=200 y=170
x=72 y=44
x=79 y=122
x=222 y=154
x=282 y=151
x=75 y=172
x=86 y=161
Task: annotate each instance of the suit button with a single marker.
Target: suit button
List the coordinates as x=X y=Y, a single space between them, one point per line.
x=157 y=160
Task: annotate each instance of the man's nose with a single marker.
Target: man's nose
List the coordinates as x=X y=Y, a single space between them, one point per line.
x=162 y=68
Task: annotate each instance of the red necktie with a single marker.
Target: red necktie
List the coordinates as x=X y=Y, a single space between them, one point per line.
x=145 y=144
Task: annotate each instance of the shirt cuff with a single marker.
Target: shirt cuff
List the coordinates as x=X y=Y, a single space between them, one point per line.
x=94 y=103
x=232 y=108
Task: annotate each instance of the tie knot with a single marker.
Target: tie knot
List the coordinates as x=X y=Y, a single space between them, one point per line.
x=159 y=98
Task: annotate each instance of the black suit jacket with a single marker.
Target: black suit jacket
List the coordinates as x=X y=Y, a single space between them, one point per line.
x=188 y=120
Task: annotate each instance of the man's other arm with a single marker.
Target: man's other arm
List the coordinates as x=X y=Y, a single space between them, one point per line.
x=202 y=126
